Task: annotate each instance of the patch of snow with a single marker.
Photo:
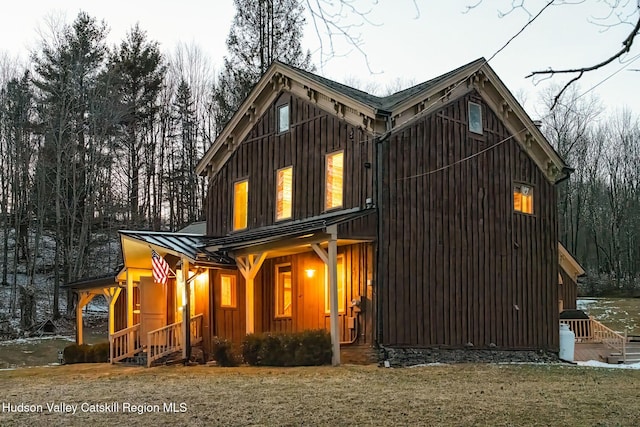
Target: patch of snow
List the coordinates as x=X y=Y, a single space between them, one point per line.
x=596 y=364
x=422 y=365
x=35 y=340
x=583 y=304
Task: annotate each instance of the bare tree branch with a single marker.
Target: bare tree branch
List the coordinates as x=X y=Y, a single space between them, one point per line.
x=626 y=47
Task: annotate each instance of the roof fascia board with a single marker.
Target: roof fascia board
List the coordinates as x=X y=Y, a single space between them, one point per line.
x=157 y=248
x=569 y=263
x=276 y=78
x=520 y=125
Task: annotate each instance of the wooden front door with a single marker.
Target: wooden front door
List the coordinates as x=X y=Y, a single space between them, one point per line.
x=153 y=307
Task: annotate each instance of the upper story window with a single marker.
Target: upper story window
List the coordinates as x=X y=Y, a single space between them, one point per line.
x=334 y=180
x=523 y=198
x=240 y=204
x=284 y=193
x=475 y=118
x=227 y=291
x=283 y=118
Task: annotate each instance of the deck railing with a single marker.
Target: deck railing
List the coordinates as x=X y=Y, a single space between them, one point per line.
x=164 y=341
x=125 y=343
x=168 y=339
x=196 y=329
x=591 y=330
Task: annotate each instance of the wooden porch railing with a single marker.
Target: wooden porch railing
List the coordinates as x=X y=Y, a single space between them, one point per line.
x=196 y=329
x=125 y=343
x=590 y=330
x=163 y=341
x=168 y=339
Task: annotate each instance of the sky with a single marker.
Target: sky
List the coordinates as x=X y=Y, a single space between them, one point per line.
x=402 y=42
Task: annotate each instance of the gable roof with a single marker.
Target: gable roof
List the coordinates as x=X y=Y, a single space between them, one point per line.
x=378 y=115
x=569 y=264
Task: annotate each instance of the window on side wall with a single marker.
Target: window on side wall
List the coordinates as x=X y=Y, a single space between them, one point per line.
x=240 y=204
x=284 y=193
x=523 y=198
x=475 y=118
x=341 y=286
x=334 y=171
x=227 y=291
x=283 y=118
x=284 y=290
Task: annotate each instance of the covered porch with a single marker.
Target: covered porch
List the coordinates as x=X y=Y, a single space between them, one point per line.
x=151 y=319
x=311 y=274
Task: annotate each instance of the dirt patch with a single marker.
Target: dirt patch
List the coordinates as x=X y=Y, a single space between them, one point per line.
x=469 y=394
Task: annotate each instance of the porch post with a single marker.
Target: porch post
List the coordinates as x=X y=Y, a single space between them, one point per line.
x=333 y=294
x=111 y=294
x=186 y=312
x=249 y=266
x=129 y=299
x=83 y=300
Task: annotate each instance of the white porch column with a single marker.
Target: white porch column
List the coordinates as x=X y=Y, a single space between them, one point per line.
x=129 y=299
x=111 y=294
x=331 y=260
x=83 y=300
x=249 y=266
x=186 y=311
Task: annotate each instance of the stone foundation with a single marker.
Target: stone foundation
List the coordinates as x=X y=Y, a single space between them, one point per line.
x=402 y=357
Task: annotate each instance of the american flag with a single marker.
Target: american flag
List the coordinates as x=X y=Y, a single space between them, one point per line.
x=160 y=268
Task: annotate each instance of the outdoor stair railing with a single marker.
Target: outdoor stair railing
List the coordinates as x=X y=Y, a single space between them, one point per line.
x=125 y=343
x=591 y=330
x=168 y=339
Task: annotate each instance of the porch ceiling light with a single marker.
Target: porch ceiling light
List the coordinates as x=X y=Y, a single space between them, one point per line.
x=310 y=272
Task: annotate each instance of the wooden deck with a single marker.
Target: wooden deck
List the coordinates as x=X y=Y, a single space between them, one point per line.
x=591 y=351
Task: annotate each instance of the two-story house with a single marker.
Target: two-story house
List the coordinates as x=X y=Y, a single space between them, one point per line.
x=422 y=219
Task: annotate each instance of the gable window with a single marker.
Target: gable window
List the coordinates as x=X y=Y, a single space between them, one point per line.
x=523 y=198
x=227 y=291
x=284 y=193
x=334 y=180
x=284 y=292
x=283 y=118
x=341 y=286
x=475 y=118
x=240 y=204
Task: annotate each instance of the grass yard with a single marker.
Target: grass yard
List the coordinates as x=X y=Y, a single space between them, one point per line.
x=349 y=395
x=616 y=313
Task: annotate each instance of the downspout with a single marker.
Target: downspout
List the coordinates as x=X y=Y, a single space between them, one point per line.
x=381 y=251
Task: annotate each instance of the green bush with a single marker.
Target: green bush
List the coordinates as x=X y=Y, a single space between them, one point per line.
x=287 y=349
x=97 y=353
x=224 y=354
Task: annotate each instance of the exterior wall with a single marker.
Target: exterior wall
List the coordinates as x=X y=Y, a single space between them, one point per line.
x=308 y=308
x=227 y=322
x=457 y=265
x=313 y=133
x=568 y=291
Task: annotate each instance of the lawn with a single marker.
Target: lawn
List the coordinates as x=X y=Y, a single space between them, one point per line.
x=616 y=313
x=348 y=395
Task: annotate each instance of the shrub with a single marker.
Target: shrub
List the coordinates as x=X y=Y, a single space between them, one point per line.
x=75 y=353
x=293 y=349
x=224 y=354
x=97 y=353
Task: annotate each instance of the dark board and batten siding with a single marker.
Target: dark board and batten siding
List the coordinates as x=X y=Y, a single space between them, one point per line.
x=458 y=265
x=313 y=134
x=568 y=291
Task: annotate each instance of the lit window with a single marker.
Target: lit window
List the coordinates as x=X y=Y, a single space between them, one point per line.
x=523 y=199
x=333 y=180
x=284 y=196
x=341 y=286
x=283 y=118
x=283 y=291
x=227 y=290
x=240 y=204
x=475 y=118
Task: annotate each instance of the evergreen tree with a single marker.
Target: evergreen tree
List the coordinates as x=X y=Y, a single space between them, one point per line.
x=262 y=31
x=139 y=66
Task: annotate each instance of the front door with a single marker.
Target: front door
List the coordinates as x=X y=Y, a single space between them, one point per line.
x=153 y=307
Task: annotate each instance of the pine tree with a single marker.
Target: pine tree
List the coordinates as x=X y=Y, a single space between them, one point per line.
x=262 y=31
